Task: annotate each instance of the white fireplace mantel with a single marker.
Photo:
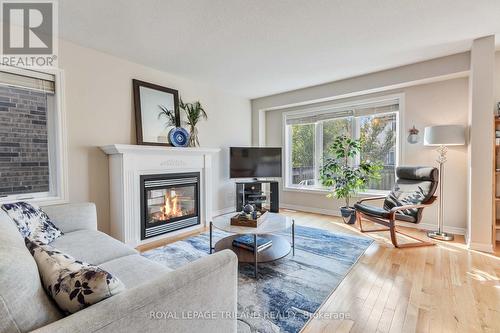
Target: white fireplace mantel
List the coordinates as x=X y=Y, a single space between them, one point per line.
x=128 y=162
x=138 y=149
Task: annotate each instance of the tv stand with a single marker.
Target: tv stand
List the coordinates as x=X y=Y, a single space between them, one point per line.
x=258 y=193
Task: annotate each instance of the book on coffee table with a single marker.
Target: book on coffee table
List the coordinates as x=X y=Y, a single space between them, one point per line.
x=246 y=242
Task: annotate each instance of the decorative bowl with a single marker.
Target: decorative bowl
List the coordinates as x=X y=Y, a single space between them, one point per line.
x=179 y=137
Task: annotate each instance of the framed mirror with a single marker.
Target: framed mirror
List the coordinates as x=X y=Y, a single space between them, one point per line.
x=156 y=112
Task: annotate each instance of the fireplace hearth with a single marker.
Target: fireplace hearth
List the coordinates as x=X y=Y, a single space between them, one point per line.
x=169 y=202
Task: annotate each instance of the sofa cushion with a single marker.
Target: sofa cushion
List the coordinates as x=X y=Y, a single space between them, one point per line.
x=32 y=221
x=10 y=235
x=73 y=284
x=74 y=216
x=24 y=305
x=134 y=269
x=92 y=246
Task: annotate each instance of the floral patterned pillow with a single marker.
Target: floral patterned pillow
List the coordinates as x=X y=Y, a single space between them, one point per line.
x=73 y=284
x=32 y=222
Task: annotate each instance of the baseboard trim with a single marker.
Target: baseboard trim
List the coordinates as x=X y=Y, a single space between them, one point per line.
x=336 y=212
x=223 y=211
x=482 y=247
x=430 y=226
x=332 y=212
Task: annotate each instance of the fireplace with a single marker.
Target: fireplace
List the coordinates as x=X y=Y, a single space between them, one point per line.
x=169 y=202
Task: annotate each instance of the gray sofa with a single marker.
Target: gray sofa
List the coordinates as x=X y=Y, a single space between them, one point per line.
x=155 y=300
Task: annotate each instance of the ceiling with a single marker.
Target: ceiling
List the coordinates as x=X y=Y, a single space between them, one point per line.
x=254 y=48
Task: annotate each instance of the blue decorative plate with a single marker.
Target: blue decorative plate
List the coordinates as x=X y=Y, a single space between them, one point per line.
x=179 y=137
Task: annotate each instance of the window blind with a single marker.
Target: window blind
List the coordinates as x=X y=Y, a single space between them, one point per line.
x=311 y=117
x=29 y=79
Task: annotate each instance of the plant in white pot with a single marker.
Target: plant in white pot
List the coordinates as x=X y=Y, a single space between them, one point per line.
x=344 y=177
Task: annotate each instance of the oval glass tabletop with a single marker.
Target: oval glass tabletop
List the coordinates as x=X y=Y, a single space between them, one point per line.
x=274 y=222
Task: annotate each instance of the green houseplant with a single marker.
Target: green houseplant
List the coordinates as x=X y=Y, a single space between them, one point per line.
x=169 y=115
x=170 y=121
x=343 y=177
x=194 y=113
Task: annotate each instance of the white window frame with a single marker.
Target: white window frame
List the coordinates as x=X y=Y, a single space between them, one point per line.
x=399 y=158
x=57 y=144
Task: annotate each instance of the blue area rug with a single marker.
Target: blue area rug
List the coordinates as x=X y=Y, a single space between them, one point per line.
x=289 y=290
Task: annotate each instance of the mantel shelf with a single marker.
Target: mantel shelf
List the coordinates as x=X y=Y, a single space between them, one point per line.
x=140 y=149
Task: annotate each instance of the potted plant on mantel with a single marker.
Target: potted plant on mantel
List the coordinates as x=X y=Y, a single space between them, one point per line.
x=344 y=178
x=194 y=113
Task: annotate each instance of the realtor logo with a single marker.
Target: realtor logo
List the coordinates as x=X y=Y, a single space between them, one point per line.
x=29 y=33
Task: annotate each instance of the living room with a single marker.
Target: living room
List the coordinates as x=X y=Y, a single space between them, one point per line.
x=264 y=166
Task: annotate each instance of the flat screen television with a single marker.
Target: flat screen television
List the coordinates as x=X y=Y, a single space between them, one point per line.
x=254 y=162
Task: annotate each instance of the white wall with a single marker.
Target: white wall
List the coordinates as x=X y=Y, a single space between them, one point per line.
x=442 y=102
x=99 y=111
x=456 y=65
x=480 y=152
x=497 y=77
x=497 y=100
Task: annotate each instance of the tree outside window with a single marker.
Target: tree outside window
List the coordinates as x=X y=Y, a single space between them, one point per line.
x=303 y=137
x=378 y=137
x=309 y=143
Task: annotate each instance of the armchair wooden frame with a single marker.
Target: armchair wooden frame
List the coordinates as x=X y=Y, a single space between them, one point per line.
x=390 y=222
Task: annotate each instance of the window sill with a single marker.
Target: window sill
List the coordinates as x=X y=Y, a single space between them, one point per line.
x=322 y=191
x=41 y=201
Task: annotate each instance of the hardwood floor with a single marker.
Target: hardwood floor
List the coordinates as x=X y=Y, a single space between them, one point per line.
x=443 y=288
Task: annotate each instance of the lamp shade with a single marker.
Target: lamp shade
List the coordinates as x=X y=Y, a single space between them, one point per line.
x=444 y=135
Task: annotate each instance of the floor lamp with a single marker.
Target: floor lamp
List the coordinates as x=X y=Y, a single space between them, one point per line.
x=443 y=136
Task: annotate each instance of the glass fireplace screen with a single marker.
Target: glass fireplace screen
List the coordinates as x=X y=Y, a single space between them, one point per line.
x=171 y=203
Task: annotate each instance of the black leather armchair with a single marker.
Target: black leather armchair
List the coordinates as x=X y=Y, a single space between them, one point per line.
x=414 y=190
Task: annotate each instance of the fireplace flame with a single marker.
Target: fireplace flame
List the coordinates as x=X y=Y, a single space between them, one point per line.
x=171 y=207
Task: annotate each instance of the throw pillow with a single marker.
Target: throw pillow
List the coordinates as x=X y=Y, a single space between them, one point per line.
x=403 y=195
x=72 y=284
x=32 y=222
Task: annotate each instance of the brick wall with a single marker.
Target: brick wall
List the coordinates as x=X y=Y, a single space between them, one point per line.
x=23 y=141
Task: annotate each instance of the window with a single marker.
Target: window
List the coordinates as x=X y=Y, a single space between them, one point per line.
x=30 y=136
x=303 y=136
x=309 y=134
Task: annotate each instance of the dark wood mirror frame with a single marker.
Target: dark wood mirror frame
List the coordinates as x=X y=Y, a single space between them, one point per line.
x=138 y=112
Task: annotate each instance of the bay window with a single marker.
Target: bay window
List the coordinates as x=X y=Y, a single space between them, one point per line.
x=309 y=134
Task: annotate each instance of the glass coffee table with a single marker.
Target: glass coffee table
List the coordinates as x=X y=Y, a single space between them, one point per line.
x=273 y=223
